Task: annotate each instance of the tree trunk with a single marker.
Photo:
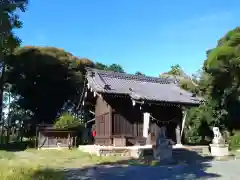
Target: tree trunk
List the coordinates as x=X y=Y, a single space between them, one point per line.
x=1 y=138
x=9 y=130
x=1 y=97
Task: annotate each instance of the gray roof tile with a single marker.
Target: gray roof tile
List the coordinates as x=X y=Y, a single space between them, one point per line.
x=139 y=87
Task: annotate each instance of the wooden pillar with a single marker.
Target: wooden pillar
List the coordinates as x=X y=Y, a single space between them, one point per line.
x=75 y=141
x=180 y=128
x=110 y=129
x=39 y=138
x=184 y=115
x=36 y=139
x=146 y=122
x=47 y=141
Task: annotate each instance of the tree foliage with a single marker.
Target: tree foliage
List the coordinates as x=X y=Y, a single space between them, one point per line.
x=112 y=67
x=9 y=21
x=176 y=70
x=9 y=18
x=219 y=84
x=67 y=121
x=44 y=79
x=223 y=68
x=139 y=73
x=116 y=68
x=185 y=81
x=101 y=66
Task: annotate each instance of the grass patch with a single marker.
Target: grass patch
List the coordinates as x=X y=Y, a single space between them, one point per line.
x=30 y=173
x=144 y=162
x=6 y=155
x=45 y=164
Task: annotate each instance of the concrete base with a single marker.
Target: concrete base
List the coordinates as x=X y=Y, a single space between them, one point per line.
x=53 y=148
x=178 y=146
x=163 y=153
x=219 y=150
x=128 y=151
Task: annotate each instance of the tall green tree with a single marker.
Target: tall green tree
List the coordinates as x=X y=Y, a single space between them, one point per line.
x=139 y=73
x=197 y=128
x=176 y=70
x=186 y=82
x=116 y=68
x=9 y=20
x=112 y=67
x=44 y=79
x=101 y=66
x=219 y=84
x=223 y=69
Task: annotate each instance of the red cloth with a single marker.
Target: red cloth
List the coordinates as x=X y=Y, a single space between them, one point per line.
x=94 y=133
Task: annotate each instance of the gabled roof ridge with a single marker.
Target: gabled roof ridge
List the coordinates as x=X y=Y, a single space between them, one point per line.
x=112 y=74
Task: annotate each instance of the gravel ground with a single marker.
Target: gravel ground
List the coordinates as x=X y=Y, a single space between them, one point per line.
x=222 y=170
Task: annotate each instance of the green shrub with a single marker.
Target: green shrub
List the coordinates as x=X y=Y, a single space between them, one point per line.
x=234 y=141
x=197 y=129
x=154 y=163
x=66 y=120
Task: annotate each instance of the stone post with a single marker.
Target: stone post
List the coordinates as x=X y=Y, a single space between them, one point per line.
x=178 y=135
x=163 y=150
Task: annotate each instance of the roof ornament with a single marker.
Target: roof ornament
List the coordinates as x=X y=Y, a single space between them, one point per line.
x=175 y=80
x=133 y=102
x=92 y=74
x=107 y=87
x=194 y=95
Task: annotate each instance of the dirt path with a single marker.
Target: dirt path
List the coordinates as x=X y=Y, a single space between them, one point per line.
x=222 y=170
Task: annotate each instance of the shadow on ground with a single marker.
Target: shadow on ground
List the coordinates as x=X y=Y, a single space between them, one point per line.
x=15 y=146
x=194 y=167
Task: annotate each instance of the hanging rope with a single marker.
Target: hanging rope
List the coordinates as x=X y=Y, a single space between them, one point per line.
x=163 y=122
x=82 y=95
x=81 y=99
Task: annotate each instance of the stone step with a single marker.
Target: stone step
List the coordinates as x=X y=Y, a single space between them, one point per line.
x=191 y=153
x=199 y=150
x=191 y=158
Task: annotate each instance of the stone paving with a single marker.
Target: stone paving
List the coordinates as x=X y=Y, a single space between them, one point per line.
x=222 y=170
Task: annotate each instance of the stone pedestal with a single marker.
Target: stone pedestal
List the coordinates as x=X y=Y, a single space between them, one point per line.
x=178 y=134
x=163 y=149
x=163 y=153
x=218 y=147
x=178 y=146
x=149 y=139
x=219 y=150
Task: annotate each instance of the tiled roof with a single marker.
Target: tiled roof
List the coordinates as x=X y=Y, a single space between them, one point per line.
x=139 y=87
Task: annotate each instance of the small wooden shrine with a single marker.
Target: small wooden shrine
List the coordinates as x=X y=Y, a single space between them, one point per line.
x=50 y=137
x=130 y=108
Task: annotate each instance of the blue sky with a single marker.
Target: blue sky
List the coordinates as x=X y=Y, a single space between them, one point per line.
x=141 y=35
